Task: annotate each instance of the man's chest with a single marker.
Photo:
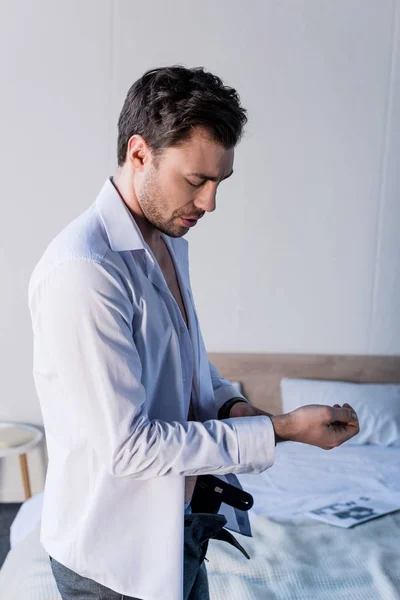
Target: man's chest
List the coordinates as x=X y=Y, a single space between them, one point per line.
x=168 y=269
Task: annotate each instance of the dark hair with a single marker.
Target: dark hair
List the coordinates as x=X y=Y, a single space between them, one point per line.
x=165 y=104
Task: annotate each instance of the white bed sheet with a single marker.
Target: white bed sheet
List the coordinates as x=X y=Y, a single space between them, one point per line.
x=303 y=476
x=309 y=560
x=303 y=560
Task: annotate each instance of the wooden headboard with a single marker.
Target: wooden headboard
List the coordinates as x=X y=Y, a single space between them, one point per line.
x=260 y=374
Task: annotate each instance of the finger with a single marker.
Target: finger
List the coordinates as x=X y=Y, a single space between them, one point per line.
x=344 y=415
x=337 y=405
x=347 y=405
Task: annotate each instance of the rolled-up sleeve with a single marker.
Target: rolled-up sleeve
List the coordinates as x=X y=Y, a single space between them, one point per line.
x=82 y=318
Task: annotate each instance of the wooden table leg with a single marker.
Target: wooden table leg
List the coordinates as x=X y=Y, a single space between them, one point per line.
x=25 y=475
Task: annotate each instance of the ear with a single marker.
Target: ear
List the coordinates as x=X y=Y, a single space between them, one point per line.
x=138 y=152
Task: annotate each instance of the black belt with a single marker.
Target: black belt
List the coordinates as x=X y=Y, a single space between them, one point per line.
x=210 y=492
x=208 y=495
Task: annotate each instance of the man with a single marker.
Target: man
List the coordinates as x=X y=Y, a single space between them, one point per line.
x=132 y=409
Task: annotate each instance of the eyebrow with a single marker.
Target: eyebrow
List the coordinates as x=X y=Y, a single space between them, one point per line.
x=209 y=177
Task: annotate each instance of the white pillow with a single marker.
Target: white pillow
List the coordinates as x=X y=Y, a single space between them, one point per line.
x=376 y=404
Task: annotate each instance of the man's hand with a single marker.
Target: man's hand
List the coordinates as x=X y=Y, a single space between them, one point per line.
x=317 y=425
x=314 y=424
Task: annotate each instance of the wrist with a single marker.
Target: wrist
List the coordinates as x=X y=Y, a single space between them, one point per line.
x=281 y=425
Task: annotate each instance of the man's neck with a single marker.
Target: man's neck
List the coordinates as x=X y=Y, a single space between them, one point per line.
x=151 y=235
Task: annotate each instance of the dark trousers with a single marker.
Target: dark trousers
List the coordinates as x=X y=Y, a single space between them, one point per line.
x=199 y=528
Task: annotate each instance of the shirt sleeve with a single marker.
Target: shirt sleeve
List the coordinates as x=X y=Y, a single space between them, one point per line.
x=223 y=388
x=82 y=318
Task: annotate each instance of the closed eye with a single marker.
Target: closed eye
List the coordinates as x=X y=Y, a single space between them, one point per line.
x=195 y=186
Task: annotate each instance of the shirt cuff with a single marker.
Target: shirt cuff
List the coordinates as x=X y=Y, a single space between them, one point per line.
x=256 y=443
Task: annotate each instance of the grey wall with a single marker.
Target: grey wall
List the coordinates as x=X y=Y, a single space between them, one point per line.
x=303 y=251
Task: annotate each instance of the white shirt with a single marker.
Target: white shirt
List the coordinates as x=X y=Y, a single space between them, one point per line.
x=113 y=368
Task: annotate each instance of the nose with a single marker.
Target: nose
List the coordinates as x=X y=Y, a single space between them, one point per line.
x=206 y=202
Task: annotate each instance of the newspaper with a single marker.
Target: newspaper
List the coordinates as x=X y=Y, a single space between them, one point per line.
x=353 y=510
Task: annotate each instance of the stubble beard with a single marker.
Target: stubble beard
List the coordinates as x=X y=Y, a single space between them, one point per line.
x=154 y=206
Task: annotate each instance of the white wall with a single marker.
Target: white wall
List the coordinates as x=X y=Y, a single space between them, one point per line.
x=303 y=252
x=54 y=156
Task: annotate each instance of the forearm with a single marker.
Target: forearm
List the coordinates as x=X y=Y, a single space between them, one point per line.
x=242 y=408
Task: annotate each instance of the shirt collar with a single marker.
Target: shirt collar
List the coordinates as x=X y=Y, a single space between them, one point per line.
x=122 y=230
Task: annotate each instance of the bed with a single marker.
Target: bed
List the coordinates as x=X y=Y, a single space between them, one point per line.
x=292 y=557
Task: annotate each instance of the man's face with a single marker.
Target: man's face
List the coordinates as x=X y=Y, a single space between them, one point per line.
x=171 y=195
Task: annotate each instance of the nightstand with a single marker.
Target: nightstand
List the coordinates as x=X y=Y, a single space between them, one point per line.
x=18 y=438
